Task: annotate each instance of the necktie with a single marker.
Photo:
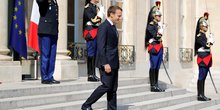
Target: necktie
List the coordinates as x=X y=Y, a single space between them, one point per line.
x=115 y=29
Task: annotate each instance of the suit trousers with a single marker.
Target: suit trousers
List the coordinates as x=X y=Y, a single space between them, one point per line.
x=48 y=49
x=109 y=86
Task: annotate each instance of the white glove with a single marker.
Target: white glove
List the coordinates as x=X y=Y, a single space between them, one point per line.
x=160 y=31
x=101 y=13
x=211 y=38
x=161 y=28
x=102 y=9
x=151 y=40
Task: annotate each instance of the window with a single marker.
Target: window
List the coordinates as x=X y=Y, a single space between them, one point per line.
x=71 y=23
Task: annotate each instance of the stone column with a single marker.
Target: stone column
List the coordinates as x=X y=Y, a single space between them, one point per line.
x=129 y=22
x=142 y=59
x=65 y=69
x=182 y=27
x=62 y=40
x=4 y=27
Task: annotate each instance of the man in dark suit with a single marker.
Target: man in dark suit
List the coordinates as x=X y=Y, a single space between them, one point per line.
x=107 y=60
x=48 y=35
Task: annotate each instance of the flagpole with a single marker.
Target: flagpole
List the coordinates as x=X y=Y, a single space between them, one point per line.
x=36 y=63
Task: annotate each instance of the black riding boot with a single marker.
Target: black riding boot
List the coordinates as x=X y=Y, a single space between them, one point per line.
x=94 y=69
x=203 y=90
x=200 y=89
x=90 y=70
x=152 y=80
x=156 y=80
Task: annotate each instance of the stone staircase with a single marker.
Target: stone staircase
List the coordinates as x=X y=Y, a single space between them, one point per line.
x=133 y=94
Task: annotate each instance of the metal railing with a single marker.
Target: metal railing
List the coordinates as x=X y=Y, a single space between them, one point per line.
x=127 y=57
x=186 y=55
x=77 y=51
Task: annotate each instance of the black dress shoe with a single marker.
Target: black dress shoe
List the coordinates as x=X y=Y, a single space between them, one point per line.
x=156 y=89
x=86 y=108
x=203 y=98
x=46 y=82
x=92 y=79
x=55 y=82
x=153 y=89
x=208 y=99
x=159 y=89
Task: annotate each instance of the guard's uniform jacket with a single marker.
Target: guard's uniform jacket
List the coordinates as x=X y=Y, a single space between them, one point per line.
x=48 y=23
x=204 y=57
x=152 y=39
x=90 y=21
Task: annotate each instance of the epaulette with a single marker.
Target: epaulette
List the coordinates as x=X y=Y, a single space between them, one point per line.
x=198 y=35
x=87 y=5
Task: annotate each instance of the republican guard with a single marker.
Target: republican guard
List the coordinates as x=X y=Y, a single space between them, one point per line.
x=93 y=15
x=203 y=46
x=153 y=43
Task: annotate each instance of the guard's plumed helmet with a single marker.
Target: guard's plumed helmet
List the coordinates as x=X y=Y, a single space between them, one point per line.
x=156 y=9
x=206 y=15
x=203 y=22
x=158 y=4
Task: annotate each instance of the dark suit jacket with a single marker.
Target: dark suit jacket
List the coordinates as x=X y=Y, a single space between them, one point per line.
x=107 y=46
x=48 y=23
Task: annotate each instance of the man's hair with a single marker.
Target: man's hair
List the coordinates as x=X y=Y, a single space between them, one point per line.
x=112 y=9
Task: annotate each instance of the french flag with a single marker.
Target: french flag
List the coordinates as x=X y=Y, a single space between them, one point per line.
x=33 y=28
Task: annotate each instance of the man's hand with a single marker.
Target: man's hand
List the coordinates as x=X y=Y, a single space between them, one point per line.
x=107 y=68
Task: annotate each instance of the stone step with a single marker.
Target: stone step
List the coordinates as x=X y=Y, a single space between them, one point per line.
x=9 y=103
x=215 y=107
x=9 y=63
x=5 y=58
x=193 y=105
x=161 y=102
x=122 y=100
x=36 y=88
x=10 y=71
x=156 y=103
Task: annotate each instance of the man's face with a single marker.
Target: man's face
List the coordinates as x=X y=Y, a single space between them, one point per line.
x=158 y=18
x=95 y=1
x=205 y=28
x=116 y=17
